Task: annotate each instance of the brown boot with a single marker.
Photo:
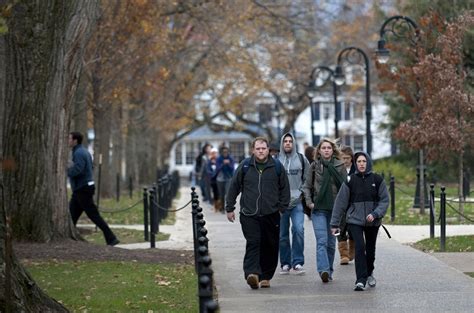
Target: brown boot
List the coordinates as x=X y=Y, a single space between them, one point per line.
x=217 y=205
x=352 y=248
x=344 y=252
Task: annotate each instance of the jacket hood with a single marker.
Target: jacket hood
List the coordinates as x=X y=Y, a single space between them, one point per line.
x=293 y=151
x=368 y=169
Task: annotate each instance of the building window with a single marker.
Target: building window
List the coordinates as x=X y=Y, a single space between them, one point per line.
x=190 y=152
x=358 y=142
x=358 y=110
x=347 y=111
x=317 y=139
x=237 y=150
x=316 y=111
x=179 y=154
x=347 y=140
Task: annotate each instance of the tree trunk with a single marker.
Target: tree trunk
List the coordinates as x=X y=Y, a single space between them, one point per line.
x=42 y=61
x=102 y=125
x=79 y=114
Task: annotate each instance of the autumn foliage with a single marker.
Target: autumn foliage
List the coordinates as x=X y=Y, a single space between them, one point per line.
x=432 y=82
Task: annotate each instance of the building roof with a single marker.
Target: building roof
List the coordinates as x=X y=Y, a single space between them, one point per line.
x=205 y=133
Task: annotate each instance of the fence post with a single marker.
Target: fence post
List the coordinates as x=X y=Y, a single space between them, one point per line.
x=392 y=199
x=205 y=274
x=145 y=213
x=443 y=219
x=152 y=216
x=432 y=211
x=117 y=190
x=195 y=207
x=160 y=197
x=130 y=186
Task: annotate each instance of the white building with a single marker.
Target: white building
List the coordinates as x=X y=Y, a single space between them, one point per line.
x=184 y=152
x=351 y=125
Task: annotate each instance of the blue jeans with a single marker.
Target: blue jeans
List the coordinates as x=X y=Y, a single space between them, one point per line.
x=292 y=255
x=325 y=241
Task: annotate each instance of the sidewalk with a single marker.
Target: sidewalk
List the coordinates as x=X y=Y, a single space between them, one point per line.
x=408 y=280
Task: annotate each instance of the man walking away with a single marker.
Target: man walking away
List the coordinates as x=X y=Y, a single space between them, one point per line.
x=296 y=166
x=82 y=185
x=265 y=193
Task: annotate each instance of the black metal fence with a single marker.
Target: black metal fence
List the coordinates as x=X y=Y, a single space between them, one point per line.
x=157 y=203
x=202 y=260
x=432 y=205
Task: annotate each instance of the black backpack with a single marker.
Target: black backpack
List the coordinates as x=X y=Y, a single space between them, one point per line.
x=377 y=180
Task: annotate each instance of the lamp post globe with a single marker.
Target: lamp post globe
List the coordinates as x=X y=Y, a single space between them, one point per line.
x=339 y=77
x=383 y=54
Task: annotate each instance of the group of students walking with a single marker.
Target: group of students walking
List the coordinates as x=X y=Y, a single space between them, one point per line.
x=213 y=171
x=345 y=200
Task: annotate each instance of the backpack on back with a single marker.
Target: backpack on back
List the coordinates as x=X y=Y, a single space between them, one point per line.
x=246 y=165
x=377 y=180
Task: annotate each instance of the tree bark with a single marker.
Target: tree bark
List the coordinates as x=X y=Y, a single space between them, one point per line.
x=42 y=60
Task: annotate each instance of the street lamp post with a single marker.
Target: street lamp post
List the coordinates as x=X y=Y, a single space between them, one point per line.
x=399 y=26
x=352 y=56
x=316 y=81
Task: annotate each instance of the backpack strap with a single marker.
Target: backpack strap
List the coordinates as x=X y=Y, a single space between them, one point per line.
x=302 y=164
x=377 y=180
x=246 y=166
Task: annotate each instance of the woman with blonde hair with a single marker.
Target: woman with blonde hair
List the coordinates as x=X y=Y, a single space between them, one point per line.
x=326 y=175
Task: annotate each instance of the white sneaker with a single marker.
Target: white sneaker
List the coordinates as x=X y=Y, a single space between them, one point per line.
x=299 y=270
x=371 y=281
x=359 y=287
x=285 y=270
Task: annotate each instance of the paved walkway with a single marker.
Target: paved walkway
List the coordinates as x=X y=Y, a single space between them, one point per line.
x=408 y=280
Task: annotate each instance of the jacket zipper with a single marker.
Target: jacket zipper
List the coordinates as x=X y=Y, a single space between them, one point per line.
x=259 y=191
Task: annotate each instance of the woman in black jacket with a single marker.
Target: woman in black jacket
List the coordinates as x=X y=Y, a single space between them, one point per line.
x=365 y=198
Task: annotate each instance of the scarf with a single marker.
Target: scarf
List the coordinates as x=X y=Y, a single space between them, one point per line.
x=325 y=199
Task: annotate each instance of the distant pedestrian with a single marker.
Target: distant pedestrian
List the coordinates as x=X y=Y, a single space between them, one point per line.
x=365 y=199
x=346 y=245
x=82 y=184
x=211 y=172
x=326 y=175
x=309 y=154
x=200 y=170
x=296 y=166
x=274 y=150
x=225 y=171
x=265 y=190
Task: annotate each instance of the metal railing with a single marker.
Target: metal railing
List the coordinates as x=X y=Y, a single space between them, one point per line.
x=202 y=260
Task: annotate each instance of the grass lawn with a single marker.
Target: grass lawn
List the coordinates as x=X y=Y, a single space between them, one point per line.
x=124 y=235
x=405 y=215
x=453 y=244
x=118 y=286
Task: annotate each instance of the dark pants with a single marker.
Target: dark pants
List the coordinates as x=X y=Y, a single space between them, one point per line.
x=364 y=250
x=344 y=233
x=262 y=234
x=82 y=201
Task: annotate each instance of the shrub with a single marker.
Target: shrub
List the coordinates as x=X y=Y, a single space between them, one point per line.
x=402 y=172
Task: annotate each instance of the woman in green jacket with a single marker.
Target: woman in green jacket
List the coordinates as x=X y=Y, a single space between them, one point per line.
x=325 y=177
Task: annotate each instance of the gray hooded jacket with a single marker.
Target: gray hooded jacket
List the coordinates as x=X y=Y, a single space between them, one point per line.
x=367 y=199
x=294 y=170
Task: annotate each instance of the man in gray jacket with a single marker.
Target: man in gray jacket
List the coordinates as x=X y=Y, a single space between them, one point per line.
x=265 y=193
x=296 y=166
